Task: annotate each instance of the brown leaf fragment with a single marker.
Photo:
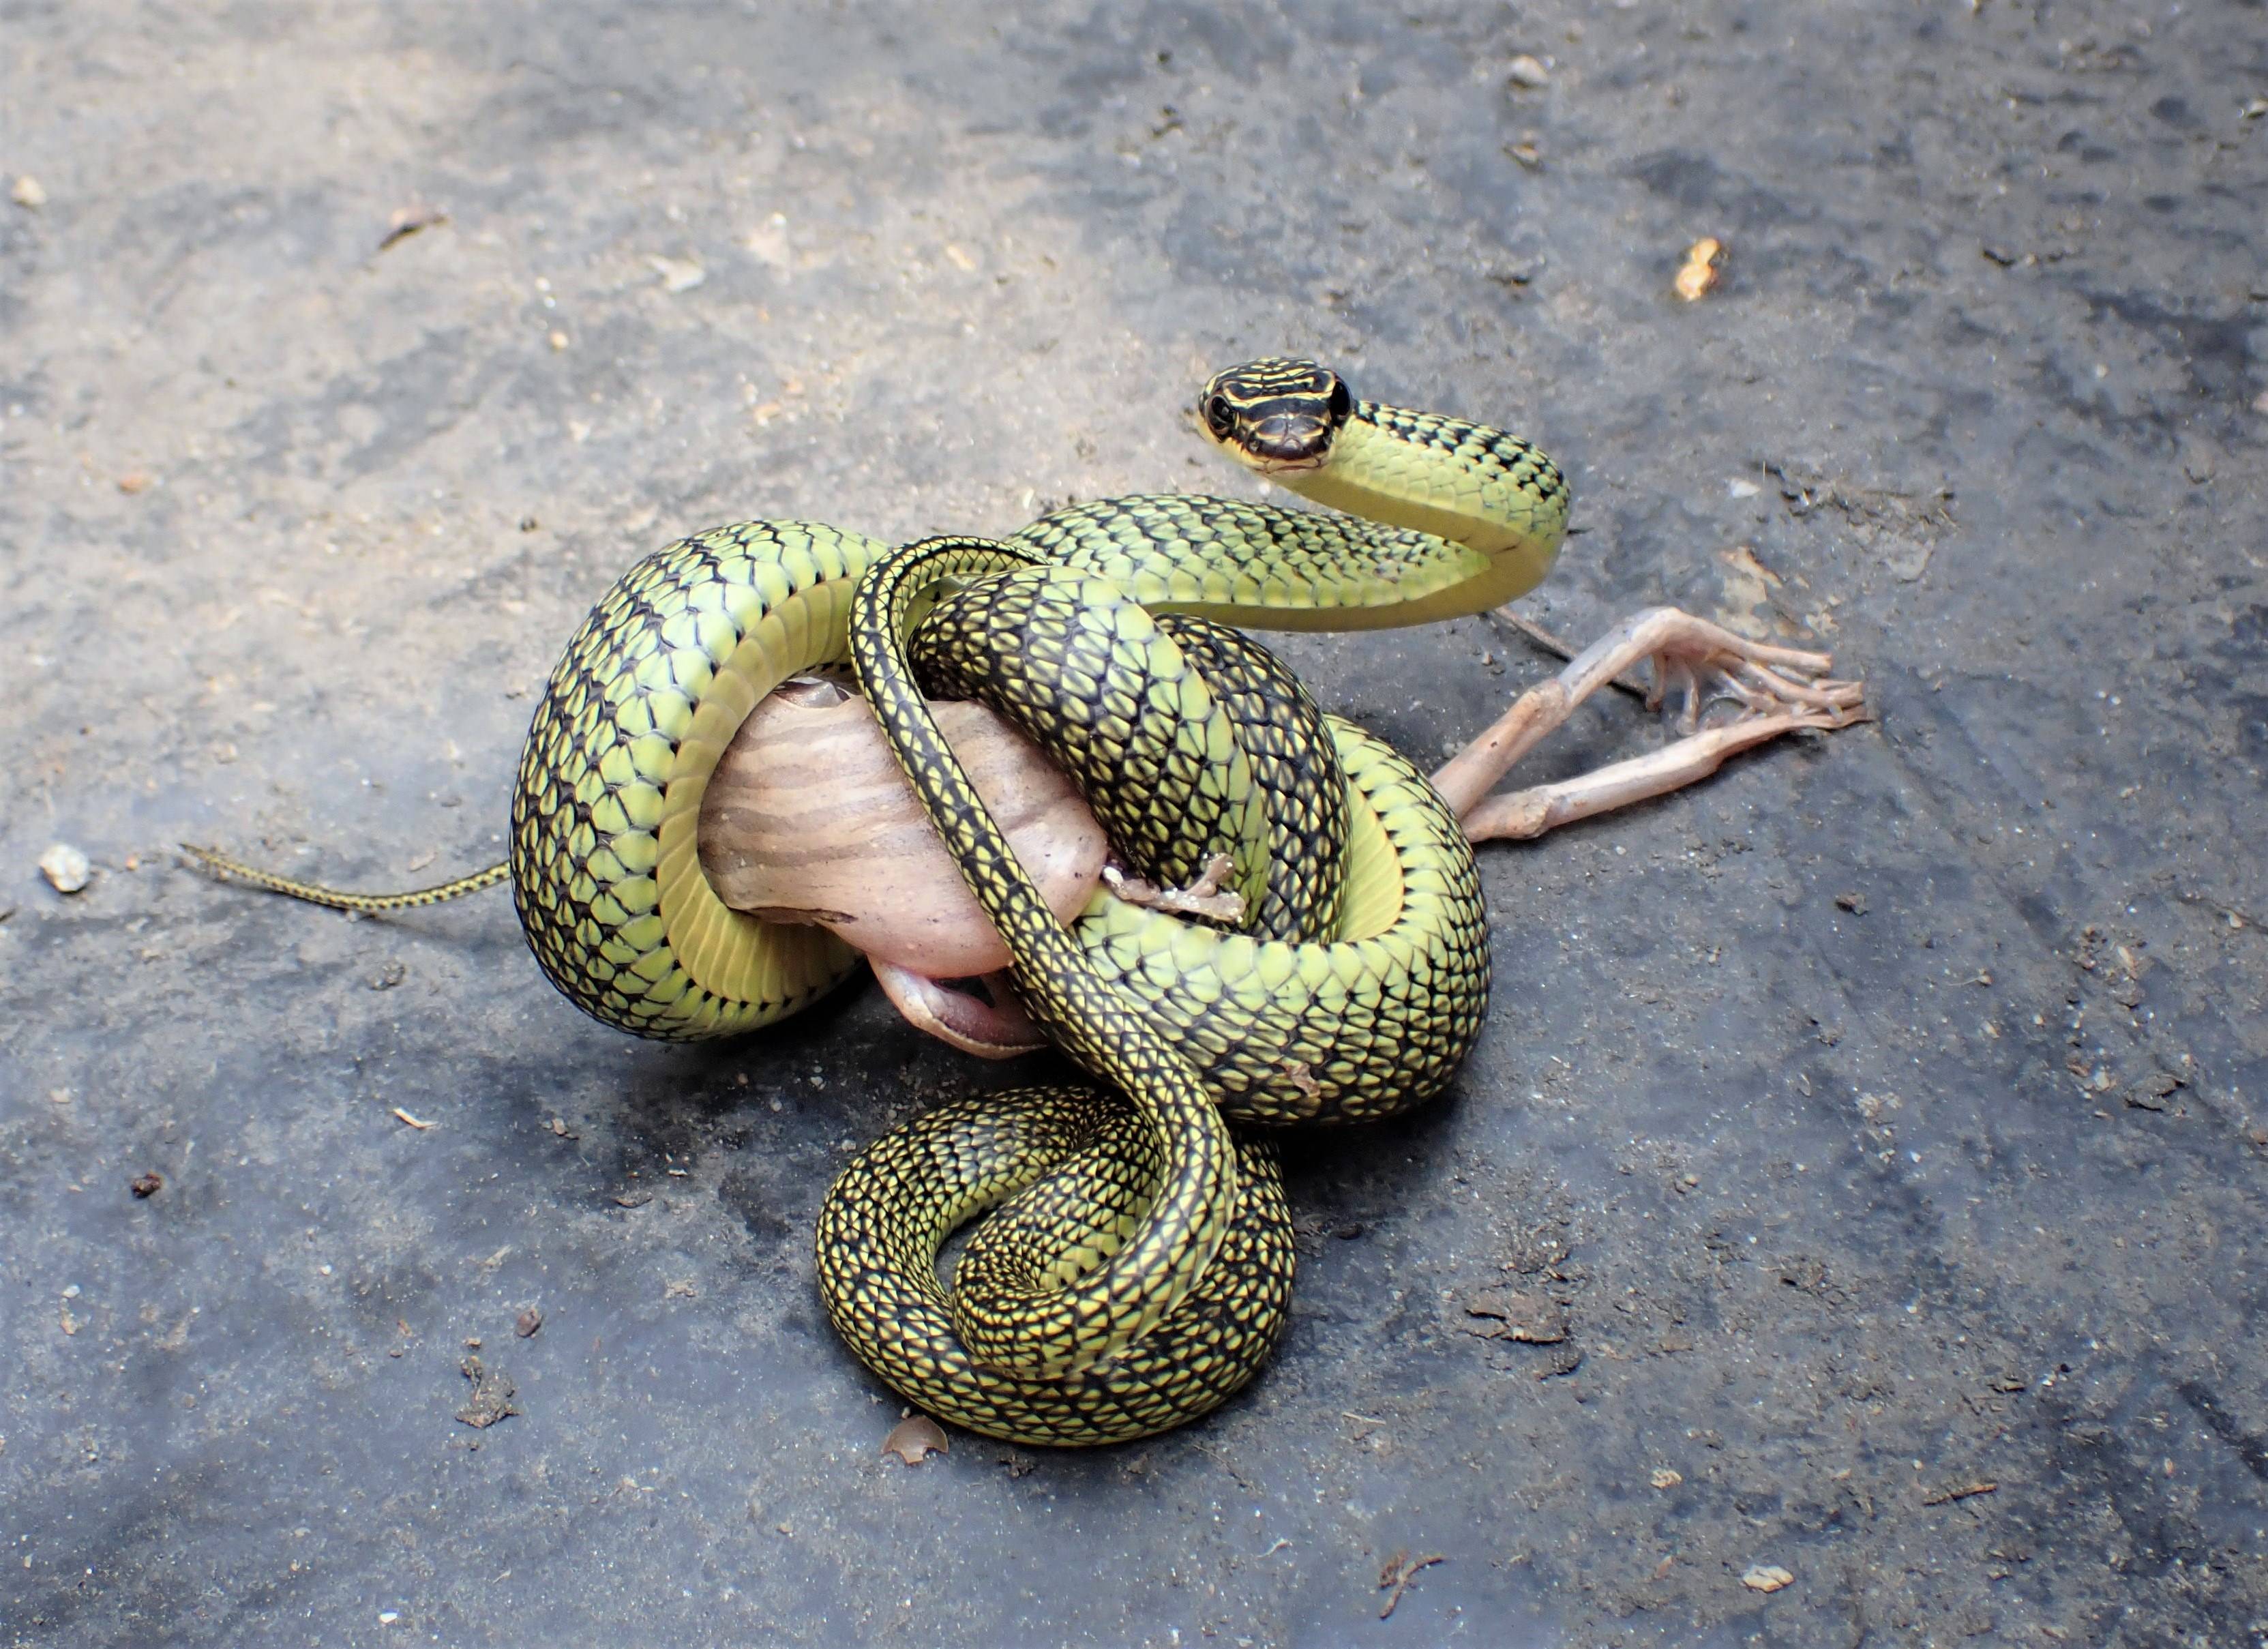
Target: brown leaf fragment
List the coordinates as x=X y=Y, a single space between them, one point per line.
x=145 y=1186
x=1957 y=1491
x=1393 y=1580
x=528 y=1322
x=1698 y=274
x=914 y=1438
x=493 y=1393
x=1535 y=1318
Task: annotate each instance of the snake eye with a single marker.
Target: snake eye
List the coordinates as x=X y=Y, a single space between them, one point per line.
x=1219 y=417
x=1342 y=401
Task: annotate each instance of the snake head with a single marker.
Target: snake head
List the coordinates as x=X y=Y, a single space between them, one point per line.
x=1275 y=414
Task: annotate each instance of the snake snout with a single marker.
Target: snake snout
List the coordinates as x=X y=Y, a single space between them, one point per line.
x=1288 y=440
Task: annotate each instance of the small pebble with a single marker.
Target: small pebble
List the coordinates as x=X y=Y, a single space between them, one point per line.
x=66 y=867
x=27 y=193
x=1529 y=71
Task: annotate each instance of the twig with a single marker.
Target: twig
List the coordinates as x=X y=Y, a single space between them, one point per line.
x=1962 y=1492
x=1393 y=1580
x=415 y=1123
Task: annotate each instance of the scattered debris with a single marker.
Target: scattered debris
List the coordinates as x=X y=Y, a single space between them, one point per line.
x=528 y=1322
x=559 y=1127
x=633 y=1199
x=409 y=220
x=1535 y=1318
x=1766 y=1577
x=1528 y=72
x=678 y=275
x=390 y=974
x=420 y=1125
x=1528 y=155
x=1665 y=1478
x=493 y=1393
x=1959 y=1492
x=1854 y=902
x=145 y=1186
x=28 y=193
x=915 y=1437
x=66 y=867
x=1703 y=260
x=1297 y=1073
x=1019 y=1465
x=1393 y=1580
x=680 y=1289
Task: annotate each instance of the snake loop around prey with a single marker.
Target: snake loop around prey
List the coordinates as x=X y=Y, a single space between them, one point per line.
x=1139 y=1274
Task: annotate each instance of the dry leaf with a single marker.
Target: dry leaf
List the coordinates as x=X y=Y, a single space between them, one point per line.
x=914 y=1438
x=493 y=1395
x=1699 y=273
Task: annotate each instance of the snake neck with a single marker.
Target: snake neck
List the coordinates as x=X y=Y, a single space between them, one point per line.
x=1476 y=486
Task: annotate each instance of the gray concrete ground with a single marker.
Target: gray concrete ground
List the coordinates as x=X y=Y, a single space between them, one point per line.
x=1888 y=1116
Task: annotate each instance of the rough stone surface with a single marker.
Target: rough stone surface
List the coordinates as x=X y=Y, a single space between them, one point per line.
x=1888 y=1117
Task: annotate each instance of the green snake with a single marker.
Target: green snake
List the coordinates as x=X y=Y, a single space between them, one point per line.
x=1140 y=1273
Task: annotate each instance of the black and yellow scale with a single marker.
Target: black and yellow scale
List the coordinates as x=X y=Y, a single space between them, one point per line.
x=1140 y=1273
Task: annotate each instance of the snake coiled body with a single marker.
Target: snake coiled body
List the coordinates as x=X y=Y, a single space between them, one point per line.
x=1136 y=1272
